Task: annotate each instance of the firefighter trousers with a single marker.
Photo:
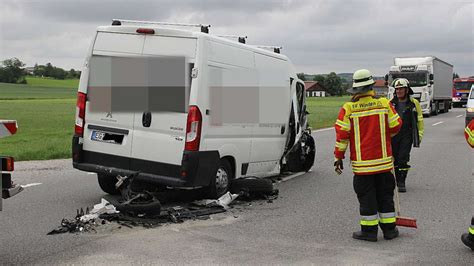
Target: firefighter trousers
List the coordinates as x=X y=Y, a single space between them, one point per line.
x=401 y=148
x=375 y=195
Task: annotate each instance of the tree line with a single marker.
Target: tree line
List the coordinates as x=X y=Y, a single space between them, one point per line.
x=13 y=71
x=333 y=84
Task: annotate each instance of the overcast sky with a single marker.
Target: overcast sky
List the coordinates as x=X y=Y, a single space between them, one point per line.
x=319 y=36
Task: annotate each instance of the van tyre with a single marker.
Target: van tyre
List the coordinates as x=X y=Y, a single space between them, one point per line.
x=301 y=159
x=107 y=184
x=220 y=184
x=252 y=185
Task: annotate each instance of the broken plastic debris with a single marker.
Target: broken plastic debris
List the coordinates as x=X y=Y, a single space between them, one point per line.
x=223 y=201
x=103 y=207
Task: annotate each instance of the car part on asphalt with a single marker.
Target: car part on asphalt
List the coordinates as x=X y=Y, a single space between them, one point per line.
x=252 y=185
x=133 y=203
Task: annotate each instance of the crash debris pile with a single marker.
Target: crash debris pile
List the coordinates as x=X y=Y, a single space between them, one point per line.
x=144 y=209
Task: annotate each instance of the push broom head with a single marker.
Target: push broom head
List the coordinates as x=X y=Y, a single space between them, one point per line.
x=406 y=222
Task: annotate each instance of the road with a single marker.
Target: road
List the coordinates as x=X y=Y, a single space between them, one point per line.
x=311 y=222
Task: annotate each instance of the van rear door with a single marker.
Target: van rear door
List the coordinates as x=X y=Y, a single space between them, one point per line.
x=105 y=131
x=160 y=132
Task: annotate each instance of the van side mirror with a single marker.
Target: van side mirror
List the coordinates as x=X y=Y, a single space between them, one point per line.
x=431 y=82
x=431 y=77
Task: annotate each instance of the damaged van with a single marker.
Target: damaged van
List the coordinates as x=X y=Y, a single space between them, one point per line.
x=187 y=109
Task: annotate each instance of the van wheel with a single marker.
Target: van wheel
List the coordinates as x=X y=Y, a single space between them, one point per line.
x=107 y=184
x=220 y=184
x=302 y=158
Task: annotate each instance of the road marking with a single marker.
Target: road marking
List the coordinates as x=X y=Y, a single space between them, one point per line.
x=323 y=129
x=31 y=185
x=440 y=122
x=459 y=115
x=286 y=178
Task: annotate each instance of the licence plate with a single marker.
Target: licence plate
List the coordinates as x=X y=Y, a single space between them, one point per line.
x=106 y=137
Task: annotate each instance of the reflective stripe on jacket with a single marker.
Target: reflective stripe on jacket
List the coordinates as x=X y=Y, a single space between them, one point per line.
x=366 y=124
x=469 y=133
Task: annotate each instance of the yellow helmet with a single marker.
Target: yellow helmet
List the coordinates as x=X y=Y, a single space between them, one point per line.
x=361 y=81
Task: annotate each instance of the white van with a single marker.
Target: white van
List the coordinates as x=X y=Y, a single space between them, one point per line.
x=187 y=109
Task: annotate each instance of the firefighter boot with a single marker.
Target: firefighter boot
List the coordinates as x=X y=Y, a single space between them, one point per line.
x=468 y=240
x=367 y=233
x=402 y=176
x=389 y=230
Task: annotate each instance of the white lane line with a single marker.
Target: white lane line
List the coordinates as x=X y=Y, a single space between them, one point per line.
x=286 y=178
x=459 y=115
x=440 y=122
x=323 y=129
x=31 y=185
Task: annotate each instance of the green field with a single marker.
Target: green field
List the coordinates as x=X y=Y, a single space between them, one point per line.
x=18 y=91
x=52 y=83
x=45 y=118
x=323 y=111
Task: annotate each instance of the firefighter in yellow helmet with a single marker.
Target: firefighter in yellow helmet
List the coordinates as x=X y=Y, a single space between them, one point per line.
x=468 y=238
x=411 y=133
x=366 y=124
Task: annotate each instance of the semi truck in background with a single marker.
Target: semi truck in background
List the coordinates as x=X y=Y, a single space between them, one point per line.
x=430 y=78
x=461 y=89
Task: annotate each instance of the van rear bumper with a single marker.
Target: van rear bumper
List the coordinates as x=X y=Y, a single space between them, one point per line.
x=196 y=168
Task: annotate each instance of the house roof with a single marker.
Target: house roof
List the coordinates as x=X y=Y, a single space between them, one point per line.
x=379 y=83
x=313 y=86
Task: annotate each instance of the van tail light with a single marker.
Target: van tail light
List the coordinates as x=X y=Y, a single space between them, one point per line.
x=80 y=114
x=193 y=129
x=7 y=164
x=145 y=31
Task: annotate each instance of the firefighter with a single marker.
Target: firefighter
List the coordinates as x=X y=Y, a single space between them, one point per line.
x=411 y=133
x=468 y=238
x=366 y=124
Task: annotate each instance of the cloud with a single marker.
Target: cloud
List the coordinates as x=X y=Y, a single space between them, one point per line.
x=318 y=36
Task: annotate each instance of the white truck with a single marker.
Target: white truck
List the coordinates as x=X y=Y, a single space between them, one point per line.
x=187 y=109
x=430 y=78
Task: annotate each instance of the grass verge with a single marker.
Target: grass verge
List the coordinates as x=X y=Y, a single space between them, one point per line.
x=323 y=110
x=52 y=83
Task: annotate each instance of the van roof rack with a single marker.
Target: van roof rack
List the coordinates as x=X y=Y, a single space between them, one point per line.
x=118 y=22
x=276 y=49
x=241 y=39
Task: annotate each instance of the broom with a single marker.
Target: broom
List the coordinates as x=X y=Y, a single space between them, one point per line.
x=400 y=220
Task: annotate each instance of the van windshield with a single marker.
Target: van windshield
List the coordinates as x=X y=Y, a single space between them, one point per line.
x=123 y=84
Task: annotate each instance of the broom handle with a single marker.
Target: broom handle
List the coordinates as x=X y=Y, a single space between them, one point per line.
x=397 y=196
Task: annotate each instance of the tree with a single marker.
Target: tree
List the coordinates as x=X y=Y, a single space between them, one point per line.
x=48 y=70
x=455 y=75
x=333 y=84
x=12 y=71
x=301 y=76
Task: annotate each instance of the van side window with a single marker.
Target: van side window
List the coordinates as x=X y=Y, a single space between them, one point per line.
x=300 y=96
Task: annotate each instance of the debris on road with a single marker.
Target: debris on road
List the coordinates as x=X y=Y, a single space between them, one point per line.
x=144 y=209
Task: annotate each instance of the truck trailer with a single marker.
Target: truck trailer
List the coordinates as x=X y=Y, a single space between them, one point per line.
x=430 y=78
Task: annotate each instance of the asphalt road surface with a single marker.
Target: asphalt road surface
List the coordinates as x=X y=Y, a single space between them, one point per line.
x=311 y=222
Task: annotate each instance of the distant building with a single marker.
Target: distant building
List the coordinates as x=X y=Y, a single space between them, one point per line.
x=314 y=89
x=380 y=88
x=29 y=70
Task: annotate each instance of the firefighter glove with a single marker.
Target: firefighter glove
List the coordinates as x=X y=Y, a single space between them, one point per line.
x=338 y=166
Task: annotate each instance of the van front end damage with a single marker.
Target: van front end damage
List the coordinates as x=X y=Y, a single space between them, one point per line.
x=196 y=169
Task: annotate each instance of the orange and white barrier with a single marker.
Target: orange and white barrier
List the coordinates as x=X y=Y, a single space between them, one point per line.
x=8 y=128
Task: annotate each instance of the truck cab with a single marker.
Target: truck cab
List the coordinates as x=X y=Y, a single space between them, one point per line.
x=429 y=77
x=461 y=88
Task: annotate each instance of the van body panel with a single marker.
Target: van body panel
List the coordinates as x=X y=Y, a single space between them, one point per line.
x=244 y=95
x=122 y=43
